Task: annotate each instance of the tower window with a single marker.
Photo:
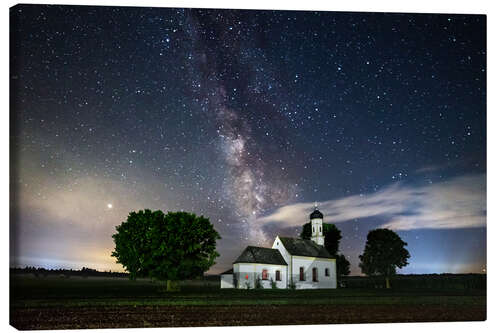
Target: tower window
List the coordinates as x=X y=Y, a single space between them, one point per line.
x=313 y=230
x=320 y=229
x=302 y=275
x=264 y=274
x=327 y=272
x=315 y=274
x=278 y=276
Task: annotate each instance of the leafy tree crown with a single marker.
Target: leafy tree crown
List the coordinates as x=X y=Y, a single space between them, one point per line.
x=172 y=246
x=384 y=251
x=343 y=265
x=332 y=236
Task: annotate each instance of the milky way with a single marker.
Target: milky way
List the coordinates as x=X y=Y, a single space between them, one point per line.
x=247 y=118
x=251 y=185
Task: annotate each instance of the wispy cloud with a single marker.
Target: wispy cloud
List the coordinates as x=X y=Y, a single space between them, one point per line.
x=429 y=168
x=456 y=203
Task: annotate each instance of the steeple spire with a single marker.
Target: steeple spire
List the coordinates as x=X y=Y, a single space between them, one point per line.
x=317 y=226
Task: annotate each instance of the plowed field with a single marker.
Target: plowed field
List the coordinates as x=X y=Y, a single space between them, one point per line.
x=181 y=316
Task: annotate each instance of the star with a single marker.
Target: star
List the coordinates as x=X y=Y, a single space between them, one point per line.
x=244 y=113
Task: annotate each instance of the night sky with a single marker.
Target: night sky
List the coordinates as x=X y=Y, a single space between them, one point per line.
x=248 y=118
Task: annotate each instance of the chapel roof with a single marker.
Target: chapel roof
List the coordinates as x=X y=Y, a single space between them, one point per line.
x=261 y=255
x=304 y=247
x=229 y=271
x=316 y=214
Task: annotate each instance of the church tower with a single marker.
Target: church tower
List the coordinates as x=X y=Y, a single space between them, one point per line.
x=317 y=227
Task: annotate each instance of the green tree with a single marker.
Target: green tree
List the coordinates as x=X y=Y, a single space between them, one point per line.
x=384 y=251
x=169 y=247
x=343 y=266
x=331 y=233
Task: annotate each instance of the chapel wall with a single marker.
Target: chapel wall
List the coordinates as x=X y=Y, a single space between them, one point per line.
x=247 y=275
x=309 y=263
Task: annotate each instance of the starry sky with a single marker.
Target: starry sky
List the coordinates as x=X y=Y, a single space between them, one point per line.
x=248 y=118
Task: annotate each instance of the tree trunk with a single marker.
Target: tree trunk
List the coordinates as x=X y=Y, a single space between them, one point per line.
x=387 y=284
x=172 y=286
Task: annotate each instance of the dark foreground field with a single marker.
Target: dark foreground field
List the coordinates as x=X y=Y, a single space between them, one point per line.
x=64 y=303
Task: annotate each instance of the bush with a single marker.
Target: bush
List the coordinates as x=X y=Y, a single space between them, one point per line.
x=273 y=284
x=258 y=284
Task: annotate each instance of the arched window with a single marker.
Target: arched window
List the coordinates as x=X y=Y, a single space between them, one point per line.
x=302 y=275
x=315 y=274
x=327 y=272
x=278 y=276
x=264 y=274
x=320 y=229
x=313 y=230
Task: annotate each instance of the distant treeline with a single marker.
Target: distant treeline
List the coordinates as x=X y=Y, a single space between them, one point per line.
x=84 y=272
x=415 y=281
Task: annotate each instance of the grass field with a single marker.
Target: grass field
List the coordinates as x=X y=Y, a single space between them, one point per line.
x=56 y=302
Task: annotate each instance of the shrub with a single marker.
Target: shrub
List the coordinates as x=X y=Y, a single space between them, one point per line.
x=258 y=284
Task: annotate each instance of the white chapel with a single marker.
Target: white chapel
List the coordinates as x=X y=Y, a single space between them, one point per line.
x=290 y=263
